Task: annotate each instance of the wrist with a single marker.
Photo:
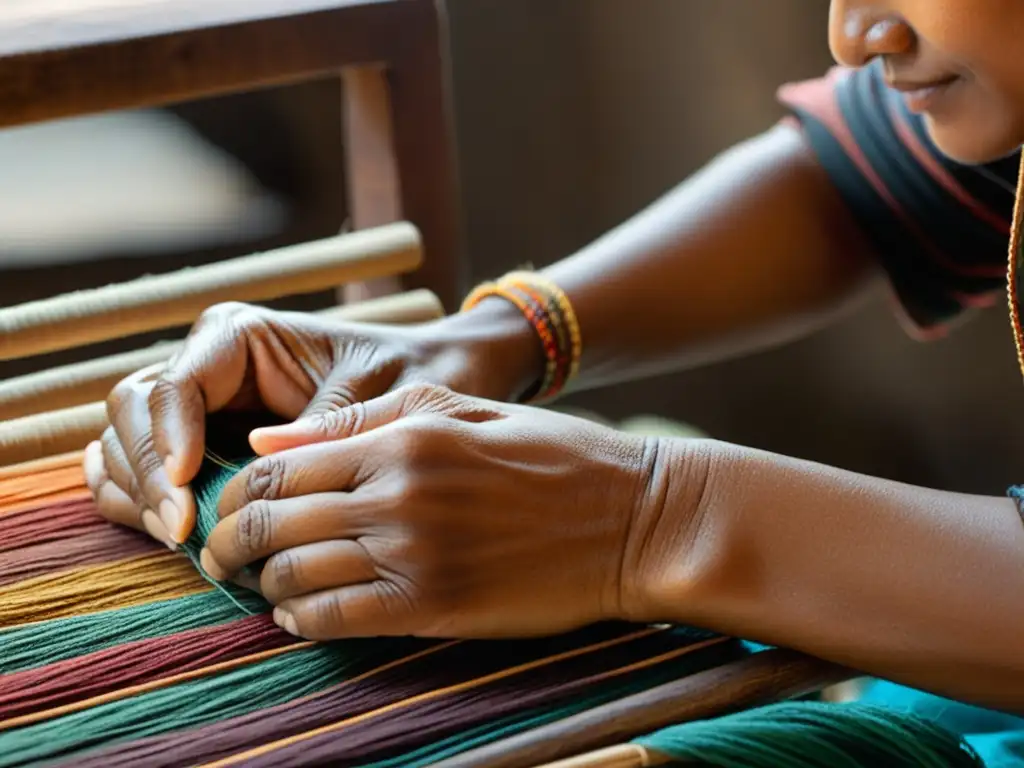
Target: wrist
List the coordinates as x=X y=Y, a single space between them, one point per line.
x=499 y=343
x=670 y=548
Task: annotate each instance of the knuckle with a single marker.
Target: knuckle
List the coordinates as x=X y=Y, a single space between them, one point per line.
x=253 y=532
x=425 y=396
x=266 y=479
x=229 y=311
x=161 y=396
x=121 y=395
x=328 y=613
x=413 y=445
x=404 y=492
x=285 y=573
x=143 y=451
x=340 y=420
x=397 y=601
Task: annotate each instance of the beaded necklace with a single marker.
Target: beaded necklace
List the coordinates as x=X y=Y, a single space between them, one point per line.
x=1015 y=264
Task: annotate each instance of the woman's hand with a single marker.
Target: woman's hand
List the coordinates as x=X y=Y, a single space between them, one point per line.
x=240 y=356
x=443 y=515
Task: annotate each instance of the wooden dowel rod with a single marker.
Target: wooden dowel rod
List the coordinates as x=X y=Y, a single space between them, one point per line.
x=621 y=756
x=47 y=434
x=70 y=429
x=87 y=382
x=762 y=678
x=166 y=301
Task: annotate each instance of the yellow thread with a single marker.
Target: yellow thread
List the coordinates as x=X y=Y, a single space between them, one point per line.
x=96 y=588
x=220 y=462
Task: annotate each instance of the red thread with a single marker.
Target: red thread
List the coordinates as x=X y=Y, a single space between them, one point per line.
x=122 y=666
x=52 y=522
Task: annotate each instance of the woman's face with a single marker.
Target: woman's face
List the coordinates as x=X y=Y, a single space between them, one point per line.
x=958 y=62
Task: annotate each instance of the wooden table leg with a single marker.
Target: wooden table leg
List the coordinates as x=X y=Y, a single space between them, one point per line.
x=373 y=186
x=424 y=145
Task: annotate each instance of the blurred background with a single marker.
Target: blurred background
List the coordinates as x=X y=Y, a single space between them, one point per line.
x=570 y=116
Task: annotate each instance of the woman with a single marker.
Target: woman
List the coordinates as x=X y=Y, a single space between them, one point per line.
x=448 y=509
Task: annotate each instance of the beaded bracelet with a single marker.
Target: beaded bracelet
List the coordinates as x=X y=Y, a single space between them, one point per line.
x=548 y=310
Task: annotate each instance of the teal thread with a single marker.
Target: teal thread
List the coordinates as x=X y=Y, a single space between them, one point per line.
x=814 y=735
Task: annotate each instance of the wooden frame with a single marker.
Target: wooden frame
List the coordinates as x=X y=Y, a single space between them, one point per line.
x=62 y=58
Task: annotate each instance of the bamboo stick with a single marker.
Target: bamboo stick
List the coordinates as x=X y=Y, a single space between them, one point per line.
x=621 y=756
x=40 y=435
x=86 y=382
x=166 y=301
x=47 y=434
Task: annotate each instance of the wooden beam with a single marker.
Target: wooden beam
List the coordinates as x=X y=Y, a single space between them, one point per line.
x=85 y=64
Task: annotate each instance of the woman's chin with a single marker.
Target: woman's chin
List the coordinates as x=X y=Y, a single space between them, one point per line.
x=970 y=142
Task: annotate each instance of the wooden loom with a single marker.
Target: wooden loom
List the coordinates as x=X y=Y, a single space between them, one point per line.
x=59 y=411
x=401 y=188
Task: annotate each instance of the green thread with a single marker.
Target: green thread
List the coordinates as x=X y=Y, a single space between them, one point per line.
x=48 y=642
x=279 y=680
x=814 y=735
x=214 y=475
x=191 y=704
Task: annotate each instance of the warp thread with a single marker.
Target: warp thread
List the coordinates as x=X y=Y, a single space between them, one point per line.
x=152 y=622
x=51 y=481
x=82 y=677
x=104 y=544
x=814 y=735
x=97 y=588
x=430 y=689
x=50 y=642
x=49 y=522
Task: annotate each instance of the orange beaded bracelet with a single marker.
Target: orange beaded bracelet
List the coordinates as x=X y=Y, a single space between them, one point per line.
x=549 y=311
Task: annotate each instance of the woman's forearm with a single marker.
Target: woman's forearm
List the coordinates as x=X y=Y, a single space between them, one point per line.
x=921 y=586
x=755 y=249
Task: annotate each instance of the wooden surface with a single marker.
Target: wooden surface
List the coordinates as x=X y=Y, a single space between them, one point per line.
x=418 y=77
x=61 y=58
x=30 y=26
x=68 y=68
x=372 y=183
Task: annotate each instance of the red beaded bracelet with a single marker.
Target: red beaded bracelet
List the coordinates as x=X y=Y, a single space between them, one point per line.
x=548 y=310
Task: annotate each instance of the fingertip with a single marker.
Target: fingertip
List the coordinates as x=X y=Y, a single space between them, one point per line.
x=180 y=469
x=286 y=621
x=262 y=441
x=92 y=465
x=178 y=514
x=210 y=565
x=267 y=440
x=155 y=527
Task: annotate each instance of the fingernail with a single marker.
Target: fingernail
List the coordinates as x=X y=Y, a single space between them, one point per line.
x=286 y=621
x=171 y=517
x=155 y=528
x=172 y=468
x=92 y=465
x=211 y=566
x=175 y=510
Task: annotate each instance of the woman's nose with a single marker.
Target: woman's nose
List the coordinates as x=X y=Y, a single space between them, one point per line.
x=859 y=31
